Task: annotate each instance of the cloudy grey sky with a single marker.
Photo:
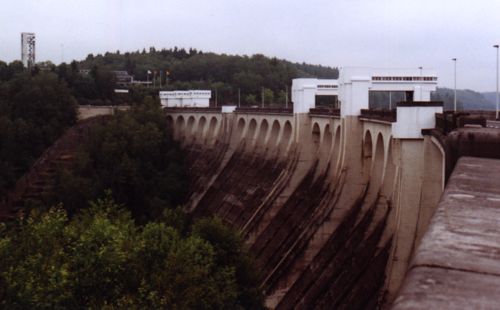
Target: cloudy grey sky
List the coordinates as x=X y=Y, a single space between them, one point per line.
x=377 y=33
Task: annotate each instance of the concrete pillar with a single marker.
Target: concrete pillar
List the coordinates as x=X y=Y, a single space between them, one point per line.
x=354 y=92
x=408 y=192
x=304 y=95
x=433 y=183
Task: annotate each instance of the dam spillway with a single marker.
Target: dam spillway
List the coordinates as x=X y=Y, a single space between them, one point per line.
x=332 y=203
x=326 y=204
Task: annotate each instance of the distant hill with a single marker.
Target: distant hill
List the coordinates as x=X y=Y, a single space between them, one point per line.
x=490 y=96
x=185 y=69
x=466 y=99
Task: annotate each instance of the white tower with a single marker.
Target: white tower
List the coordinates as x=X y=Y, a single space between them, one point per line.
x=28 y=49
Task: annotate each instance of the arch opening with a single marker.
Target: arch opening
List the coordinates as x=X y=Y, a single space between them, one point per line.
x=285 y=140
x=315 y=138
x=326 y=144
x=260 y=141
x=211 y=135
x=367 y=154
x=378 y=164
x=179 y=127
x=170 y=120
x=252 y=127
x=273 y=137
x=240 y=128
x=201 y=127
x=336 y=150
x=190 y=125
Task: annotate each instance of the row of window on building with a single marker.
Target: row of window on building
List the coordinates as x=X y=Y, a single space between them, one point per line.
x=404 y=78
x=328 y=86
x=185 y=94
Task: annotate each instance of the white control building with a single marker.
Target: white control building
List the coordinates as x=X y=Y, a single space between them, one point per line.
x=186 y=98
x=355 y=84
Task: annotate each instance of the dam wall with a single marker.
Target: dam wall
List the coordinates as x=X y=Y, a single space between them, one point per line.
x=331 y=207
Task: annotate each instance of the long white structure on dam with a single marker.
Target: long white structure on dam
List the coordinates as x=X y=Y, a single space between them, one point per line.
x=185 y=98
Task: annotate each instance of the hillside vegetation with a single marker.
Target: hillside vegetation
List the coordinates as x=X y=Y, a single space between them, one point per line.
x=466 y=99
x=35 y=109
x=112 y=234
x=191 y=69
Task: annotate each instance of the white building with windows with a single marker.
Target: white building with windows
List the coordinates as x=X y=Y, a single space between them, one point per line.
x=355 y=84
x=186 y=98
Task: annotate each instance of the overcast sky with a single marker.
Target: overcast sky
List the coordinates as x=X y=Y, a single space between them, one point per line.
x=377 y=33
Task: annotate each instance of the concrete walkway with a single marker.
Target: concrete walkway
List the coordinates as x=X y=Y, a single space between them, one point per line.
x=457 y=265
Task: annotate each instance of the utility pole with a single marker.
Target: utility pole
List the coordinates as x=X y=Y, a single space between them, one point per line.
x=239 y=98
x=286 y=96
x=421 y=80
x=496 y=114
x=455 y=91
x=216 y=98
x=262 y=96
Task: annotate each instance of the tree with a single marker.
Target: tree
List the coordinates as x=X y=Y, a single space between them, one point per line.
x=135 y=156
x=251 y=99
x=268 y=95
x=34 y=112
x=105 y=81
x=101 y=258
x=282 y=97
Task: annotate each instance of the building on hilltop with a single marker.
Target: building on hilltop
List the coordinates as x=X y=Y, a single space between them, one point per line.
x=123 y=78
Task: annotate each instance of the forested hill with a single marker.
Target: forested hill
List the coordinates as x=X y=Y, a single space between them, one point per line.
x=226 y=73
x=466 y=99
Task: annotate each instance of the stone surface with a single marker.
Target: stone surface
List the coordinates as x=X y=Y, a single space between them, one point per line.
x=458 y=262
x=441 y=288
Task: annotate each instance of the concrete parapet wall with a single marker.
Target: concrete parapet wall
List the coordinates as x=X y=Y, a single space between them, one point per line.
x=85 y=111
x=457 y=264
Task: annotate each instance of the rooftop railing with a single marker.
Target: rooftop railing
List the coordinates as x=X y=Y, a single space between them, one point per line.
x=379 y=115
x=265 y=110
x=450 y=120
x=193 y=109
x=324 y=112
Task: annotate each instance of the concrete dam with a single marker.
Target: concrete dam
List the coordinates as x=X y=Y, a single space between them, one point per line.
x=343 y=208
x=332 y=203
